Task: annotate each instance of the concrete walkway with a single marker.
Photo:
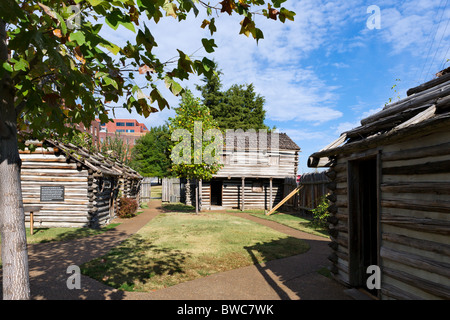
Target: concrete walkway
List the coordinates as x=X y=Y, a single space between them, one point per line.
x=290 y=278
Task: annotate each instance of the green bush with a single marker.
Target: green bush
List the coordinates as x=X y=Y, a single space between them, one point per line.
x=128 y=207
x=320 y=213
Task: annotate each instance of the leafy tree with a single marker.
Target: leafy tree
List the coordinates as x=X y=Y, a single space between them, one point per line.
x=239 y=107
x=201 y=141
x=116 y=148
x=151 y=153
x=56 y=71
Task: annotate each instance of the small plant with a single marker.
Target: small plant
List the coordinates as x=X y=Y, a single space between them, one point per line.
x=128 y=207
x=320 y=213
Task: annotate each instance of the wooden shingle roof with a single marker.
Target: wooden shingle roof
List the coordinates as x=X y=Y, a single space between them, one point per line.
x=95 y=161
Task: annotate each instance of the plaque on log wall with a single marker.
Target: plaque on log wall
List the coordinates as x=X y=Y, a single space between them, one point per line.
x=52 y=193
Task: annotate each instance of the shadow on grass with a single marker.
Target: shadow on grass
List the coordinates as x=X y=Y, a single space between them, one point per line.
x=44 y=235
x=177 y=207
x=134 y=264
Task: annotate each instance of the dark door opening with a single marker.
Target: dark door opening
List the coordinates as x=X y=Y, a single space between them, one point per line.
x=363 y=220
x=216 y=193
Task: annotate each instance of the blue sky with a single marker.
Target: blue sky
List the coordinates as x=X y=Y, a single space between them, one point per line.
x=324 y=72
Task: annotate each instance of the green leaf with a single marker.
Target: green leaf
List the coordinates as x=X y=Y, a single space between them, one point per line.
x=129 y=26
x=111 y=47
x=21 y=64
x=110 y=81
x=77 y=37
x=6 y=66
x=174 y=86
x=93 y=2
x=208 y=45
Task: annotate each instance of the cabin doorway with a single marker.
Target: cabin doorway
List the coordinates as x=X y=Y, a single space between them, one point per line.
x=363 y=220
x=216 y=193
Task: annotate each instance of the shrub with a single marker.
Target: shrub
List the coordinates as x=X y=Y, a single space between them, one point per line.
x=320 y=213
x=128 y=207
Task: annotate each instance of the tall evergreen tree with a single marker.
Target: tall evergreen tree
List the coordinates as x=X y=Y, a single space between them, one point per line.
x=239 y=107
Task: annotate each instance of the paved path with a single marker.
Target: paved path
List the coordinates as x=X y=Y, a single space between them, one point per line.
x=290 y=278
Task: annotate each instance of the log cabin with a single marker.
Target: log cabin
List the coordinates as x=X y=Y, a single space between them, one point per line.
x=390 y=197
x=73 y=187
x=253 y=176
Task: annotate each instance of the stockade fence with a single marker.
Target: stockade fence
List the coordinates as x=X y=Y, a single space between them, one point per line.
x=314 y=188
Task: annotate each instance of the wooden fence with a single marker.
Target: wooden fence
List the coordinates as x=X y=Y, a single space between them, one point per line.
x=314 y=188
x=146 y=190
x=173 y=190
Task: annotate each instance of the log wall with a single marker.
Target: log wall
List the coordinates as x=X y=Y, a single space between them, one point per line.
x=41 y=169
x=414 y=217
x=254 y=198
x=90 y=198
x=282 y=164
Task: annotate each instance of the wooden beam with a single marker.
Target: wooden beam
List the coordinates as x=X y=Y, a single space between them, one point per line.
x=285 y=199
x=243 y=194
x=270 y=200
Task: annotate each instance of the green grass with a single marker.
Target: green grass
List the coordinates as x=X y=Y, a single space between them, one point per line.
x=177 y=207
x=249 y=211
x=41 y=235
x=175 y=247
x=296 y=222
x=156 y=191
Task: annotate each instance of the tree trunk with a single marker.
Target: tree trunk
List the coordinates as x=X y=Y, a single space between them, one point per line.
x=16 y=284
x=188 y=192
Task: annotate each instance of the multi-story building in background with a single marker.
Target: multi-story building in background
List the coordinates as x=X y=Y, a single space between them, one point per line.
x=128 y=130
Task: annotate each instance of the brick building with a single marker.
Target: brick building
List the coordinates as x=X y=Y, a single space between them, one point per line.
x=129 y=130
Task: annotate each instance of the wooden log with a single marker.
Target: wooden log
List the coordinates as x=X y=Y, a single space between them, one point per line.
x=415 y=153
x=422 y=168
x=436 y=289
x=433 y=187
x=331 y=186
x=427 y=97
x=285 y=199
x=333 y=220
x=385 y=123
x=418 y=204
x=332 y=209
x=332 y=197
x=429 y=84
x=416 y=261
x=393 y=292
x=333 y=232
x=333 y=257
x=331 y=174
x=426 y=245
x=419 y=224
x=333 y=245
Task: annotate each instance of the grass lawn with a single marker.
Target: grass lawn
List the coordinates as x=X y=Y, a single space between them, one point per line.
x=156 y=191
x=294 y=221
x=41 y=235
x=180 y=246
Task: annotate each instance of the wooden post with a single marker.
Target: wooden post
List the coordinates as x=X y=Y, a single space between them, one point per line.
x=196 y=196
x=32 y=210
x=243 y=194
x=31 y=222
x=271 y=199
x=200 y=185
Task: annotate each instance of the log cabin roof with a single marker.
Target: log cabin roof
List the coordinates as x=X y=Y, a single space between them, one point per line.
x=284 y=141
x=95 y=161
x=426 y=108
